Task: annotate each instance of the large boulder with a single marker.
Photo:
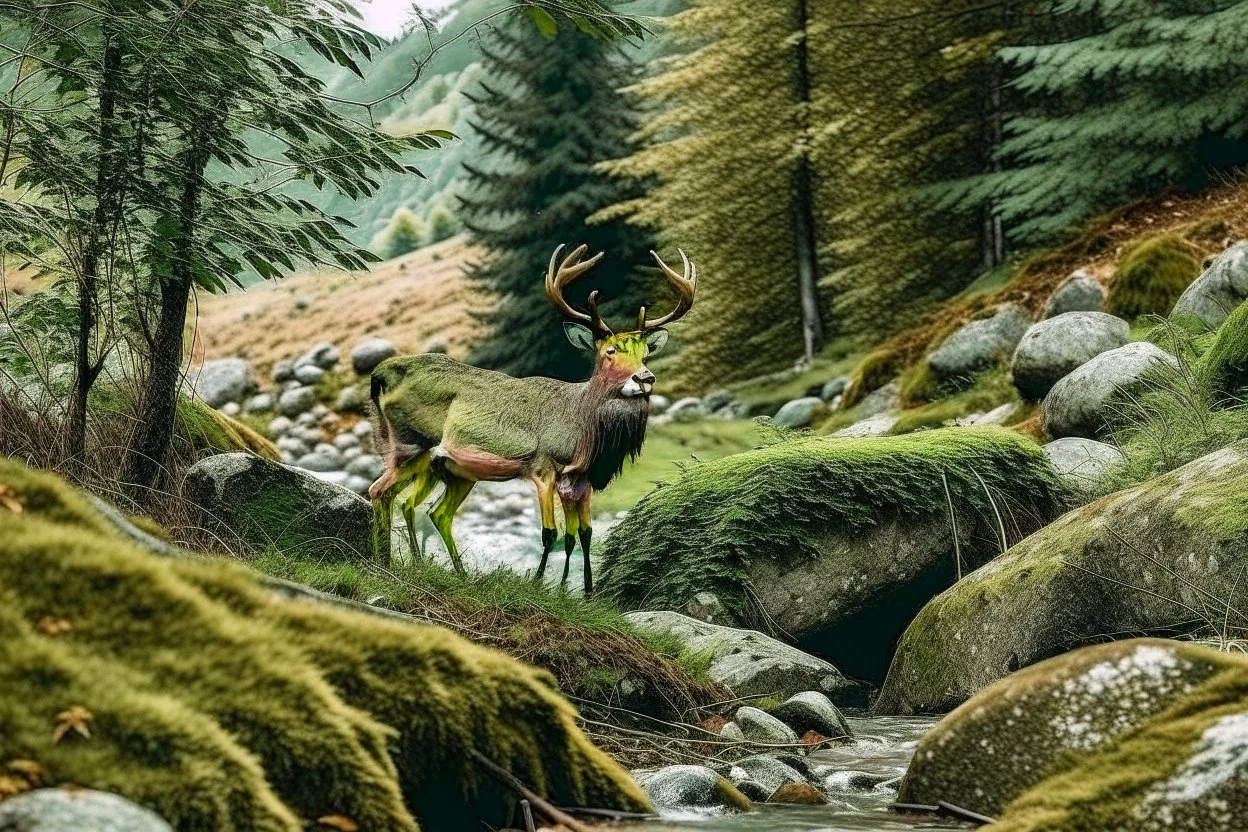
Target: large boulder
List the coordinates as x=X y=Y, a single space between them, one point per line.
x=839 y=542
x=366 y=355
x=1052 y=348
x=695 y=789
x=223 y=380
x=1133 y=736
x=1081 y=292
x=980 y=344
x=1084 y=402
x=76 y=810
x=265 y=505
x=1148 y=559
x=1215 y=294
x=749 y=663
x=219 y=699
x=1083 y=463
x=797 y=413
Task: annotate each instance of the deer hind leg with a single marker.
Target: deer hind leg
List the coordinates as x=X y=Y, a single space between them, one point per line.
x=424 y=479
x=586 y=534
x=546 y=503
x=443 y=514
x=570 y=524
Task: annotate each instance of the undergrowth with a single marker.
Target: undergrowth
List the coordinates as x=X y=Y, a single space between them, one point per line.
x=581 y=641
x=702 y=531
x=987 y=390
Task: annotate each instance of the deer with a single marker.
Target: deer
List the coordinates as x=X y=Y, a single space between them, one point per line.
x=440 y=421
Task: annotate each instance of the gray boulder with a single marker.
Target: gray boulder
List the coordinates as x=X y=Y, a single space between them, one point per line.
x=263 y=505
x=1082 y=463
x=833 y=388
x=871 y=426
x=296 y=402
x=368 y=466
x=732 y=731
x=223 y=380
x=758 y=726
x=324 y=355
x=259 y=403
x=980 y=344
x=687 y=409
x=309 y=374
x=1213 y=296
x=324 y=457
x=280 y=426
x=766 y=771
x=692 y=789
x=797 y=413
x=1053 y=348
x=284 y=370
x=812 y=711
x=1081 y=292
x=76 y=810
x=1083 y=402
x=366 y=355
x=350 y=400
x=880 y=401
x=749 y=663
x=659 y=404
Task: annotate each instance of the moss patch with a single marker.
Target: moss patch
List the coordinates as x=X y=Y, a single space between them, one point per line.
x=213 y=431
x=987 y=391
x=220 y=706
x=1138 y=735
x=1224 y=366
x=702 y=531
x=1151 y=275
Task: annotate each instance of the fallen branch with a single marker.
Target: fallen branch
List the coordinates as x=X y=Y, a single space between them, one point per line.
x=552 y=812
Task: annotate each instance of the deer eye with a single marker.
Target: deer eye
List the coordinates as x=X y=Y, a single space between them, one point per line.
x=610 y=350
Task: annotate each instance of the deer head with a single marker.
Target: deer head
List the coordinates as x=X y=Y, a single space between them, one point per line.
x=620 y=358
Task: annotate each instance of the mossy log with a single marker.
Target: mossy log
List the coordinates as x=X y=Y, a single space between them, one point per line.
x=223 y=705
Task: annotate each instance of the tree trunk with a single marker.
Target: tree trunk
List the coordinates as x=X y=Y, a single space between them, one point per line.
x=149 y=445
x=107 y=194
x=803 y=207
x=992 y=236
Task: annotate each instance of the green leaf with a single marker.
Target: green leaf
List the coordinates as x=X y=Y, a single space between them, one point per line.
x=544 y=22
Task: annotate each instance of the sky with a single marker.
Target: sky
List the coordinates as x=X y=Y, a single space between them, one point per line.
x=386 y=17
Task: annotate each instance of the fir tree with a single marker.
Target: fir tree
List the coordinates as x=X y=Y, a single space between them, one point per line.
x=549 y=110
x=1122 y=99
x=729 y=150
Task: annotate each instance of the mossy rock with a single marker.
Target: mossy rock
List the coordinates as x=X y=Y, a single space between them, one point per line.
x=211 y=430
x=1164 y=557
x=1224 y=366
x=222 y=705
x=1132 y=736
x=839 y=541
x=1152 y=274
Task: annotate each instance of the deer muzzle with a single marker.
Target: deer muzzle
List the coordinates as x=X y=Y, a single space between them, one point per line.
x=641 y=384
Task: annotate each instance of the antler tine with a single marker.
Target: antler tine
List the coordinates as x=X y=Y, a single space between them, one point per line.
x=685 y=285
x=569 y=270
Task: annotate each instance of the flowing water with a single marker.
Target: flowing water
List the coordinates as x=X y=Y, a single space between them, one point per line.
x=881 y=751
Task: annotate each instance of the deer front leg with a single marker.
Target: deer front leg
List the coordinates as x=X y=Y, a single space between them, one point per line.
x=569 y=536
x=546 y=504
x=423 y=482
x=443 y=514
x=587 y=533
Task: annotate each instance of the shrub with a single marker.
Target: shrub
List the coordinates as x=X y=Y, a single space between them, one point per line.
x=404 y=233
x=442 y=224
x=219 y=705
x=702 y=531
x=1151 y=275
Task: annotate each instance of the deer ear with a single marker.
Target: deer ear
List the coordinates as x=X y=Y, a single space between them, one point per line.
x=656 y=340
x=580 y=336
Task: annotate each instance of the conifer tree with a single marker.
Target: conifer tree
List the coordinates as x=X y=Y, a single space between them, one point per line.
x=548 y=111
x=404 y=233
x=1122 y=99
x=729 y=150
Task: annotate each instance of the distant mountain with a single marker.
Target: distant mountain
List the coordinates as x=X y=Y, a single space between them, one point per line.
x=436 y=102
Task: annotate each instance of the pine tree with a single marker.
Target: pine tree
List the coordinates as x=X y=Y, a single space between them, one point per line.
x=1121 y=99
x=728 y=149
x=548 y=111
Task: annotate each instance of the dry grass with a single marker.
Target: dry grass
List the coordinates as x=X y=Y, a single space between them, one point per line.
x=1205 y=220
x=407 y=300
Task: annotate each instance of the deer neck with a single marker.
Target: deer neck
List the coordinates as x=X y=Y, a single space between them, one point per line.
x=612 y=430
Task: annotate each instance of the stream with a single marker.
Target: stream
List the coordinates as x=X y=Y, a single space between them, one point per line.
x=883 y=748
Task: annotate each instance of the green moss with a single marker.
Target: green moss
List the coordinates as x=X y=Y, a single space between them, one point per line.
x=221 y=706
x=212 y=430
x=731 y=797
x=988 y=390
x=873 y=372
x=702 y=531
x=1224 y=366
x=1151 y=275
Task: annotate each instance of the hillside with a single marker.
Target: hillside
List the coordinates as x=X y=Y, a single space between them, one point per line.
x=408 y=300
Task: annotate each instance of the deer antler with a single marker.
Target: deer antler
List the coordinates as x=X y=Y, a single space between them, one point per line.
x=569 y=270
x=685 y=286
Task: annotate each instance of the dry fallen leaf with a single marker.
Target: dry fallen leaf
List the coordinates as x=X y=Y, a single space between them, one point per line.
x=11 y=785
x=51 y=625
x=76 y=719
x=31 y=770
x=342 y=823
x=10 y=500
